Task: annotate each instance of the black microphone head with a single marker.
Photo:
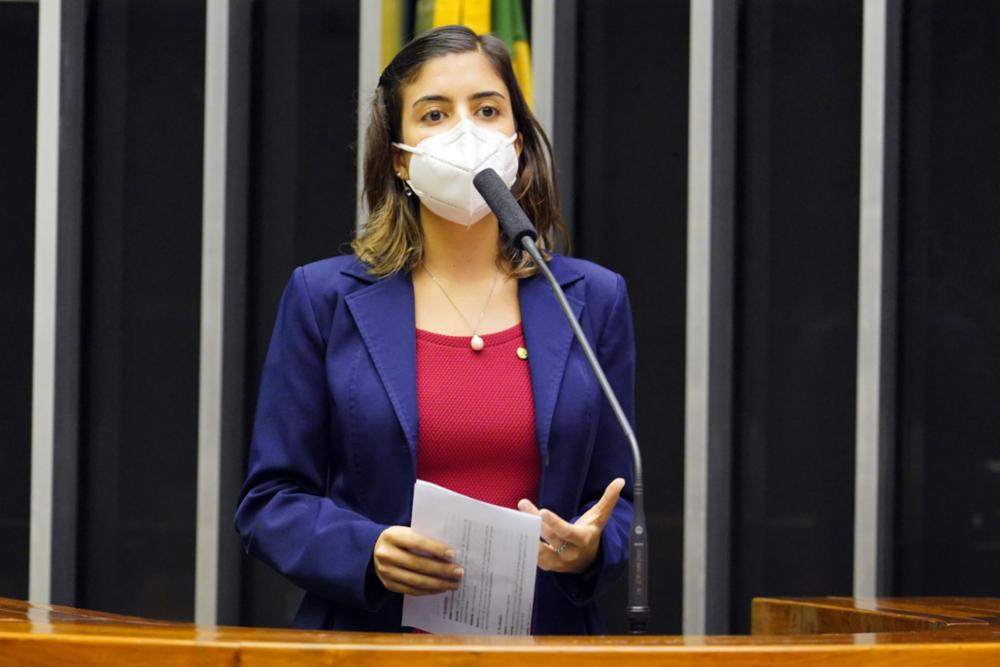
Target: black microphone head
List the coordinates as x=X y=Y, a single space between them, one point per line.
x=513 y=222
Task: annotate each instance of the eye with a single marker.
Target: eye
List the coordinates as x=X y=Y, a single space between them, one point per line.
x=489 y=111
x=432 y=116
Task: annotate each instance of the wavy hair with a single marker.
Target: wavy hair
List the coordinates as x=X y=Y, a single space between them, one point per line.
x=392 y=239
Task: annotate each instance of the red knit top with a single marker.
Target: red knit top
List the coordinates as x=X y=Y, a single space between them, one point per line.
x=477 y=417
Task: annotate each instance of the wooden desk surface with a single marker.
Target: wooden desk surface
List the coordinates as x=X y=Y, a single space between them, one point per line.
x=780 y=616
x=967 y=632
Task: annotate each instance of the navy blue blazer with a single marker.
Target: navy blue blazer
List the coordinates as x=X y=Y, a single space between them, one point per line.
x=333 y=454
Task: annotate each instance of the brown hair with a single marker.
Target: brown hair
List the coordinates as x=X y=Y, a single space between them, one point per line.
x=392 y=239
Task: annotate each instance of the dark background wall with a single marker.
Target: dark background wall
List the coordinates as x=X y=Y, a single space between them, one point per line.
x=948 y=528
x=624 y=87
x=142 y=294
x=18 y=81
x=798 y=126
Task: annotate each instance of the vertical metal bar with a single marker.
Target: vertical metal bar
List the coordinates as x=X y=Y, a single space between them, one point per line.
x=707 y=446
x=213 y=269
x=369 y=68
x=56 y=350
x=43 y=402
x=543 y=51
x=869 y=301
x=875 y=415
x=696 y=319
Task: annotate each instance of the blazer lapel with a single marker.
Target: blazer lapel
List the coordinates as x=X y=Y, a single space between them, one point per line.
x=549 y=338
x=383 y=312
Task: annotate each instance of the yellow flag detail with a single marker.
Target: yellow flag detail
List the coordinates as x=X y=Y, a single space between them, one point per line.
x=504 y=18
x=522 y=69
x=392 y=29
x=474 y=14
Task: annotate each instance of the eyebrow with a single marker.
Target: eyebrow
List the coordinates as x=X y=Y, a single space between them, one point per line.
x=443 y=98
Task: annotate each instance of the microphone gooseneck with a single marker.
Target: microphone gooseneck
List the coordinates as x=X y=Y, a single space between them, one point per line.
x=517 y=227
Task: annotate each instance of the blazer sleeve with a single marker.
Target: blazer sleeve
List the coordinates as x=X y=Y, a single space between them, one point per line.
x=285 y=517
x=611 y=457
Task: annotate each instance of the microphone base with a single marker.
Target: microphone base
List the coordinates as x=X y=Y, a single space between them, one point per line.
x=638 y=619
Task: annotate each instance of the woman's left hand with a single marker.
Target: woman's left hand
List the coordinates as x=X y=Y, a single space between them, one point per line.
x=572 y=547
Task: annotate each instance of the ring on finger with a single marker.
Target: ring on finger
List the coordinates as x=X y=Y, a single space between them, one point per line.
x=563 y=547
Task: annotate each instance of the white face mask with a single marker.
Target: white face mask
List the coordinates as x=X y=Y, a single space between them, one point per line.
x=443 y=166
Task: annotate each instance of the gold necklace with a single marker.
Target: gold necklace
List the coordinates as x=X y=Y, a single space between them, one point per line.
x=476 y=342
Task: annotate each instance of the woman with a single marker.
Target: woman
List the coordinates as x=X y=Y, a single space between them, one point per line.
x=410 y=360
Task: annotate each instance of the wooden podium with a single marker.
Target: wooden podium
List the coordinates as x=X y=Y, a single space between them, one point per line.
x=814 y=631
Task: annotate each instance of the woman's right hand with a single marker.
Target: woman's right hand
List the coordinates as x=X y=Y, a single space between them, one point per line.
x=407 y=562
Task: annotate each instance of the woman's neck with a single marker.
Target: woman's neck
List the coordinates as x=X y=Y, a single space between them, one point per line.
x=459 y=253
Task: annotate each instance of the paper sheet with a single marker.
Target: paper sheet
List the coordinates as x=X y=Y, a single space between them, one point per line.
x=497 y=547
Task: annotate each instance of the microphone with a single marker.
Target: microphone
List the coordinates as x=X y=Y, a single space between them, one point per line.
x=518 y=228
x=513 y=222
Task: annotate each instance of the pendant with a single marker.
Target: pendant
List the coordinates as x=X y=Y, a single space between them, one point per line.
x=476 y=343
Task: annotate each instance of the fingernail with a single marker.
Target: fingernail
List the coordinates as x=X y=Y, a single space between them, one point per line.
x=450 y=554
x=459 y=572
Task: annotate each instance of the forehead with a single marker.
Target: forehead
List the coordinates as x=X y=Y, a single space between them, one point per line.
x=454 y=75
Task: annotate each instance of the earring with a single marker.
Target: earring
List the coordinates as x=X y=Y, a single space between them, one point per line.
x=406 y=186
